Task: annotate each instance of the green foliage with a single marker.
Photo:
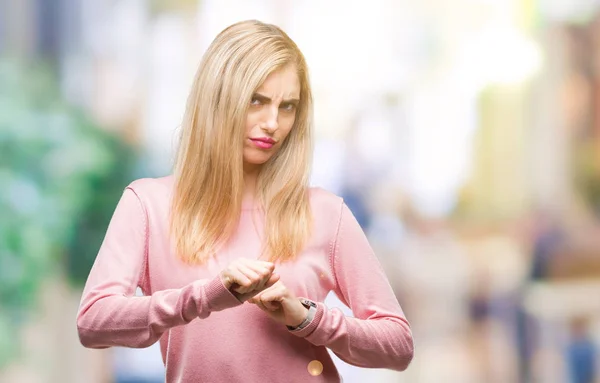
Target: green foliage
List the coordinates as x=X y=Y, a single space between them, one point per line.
x=61 y=177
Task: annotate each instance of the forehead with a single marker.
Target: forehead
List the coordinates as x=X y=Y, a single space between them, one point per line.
x=283 y=82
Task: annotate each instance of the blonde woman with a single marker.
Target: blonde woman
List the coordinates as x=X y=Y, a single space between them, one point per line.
x=234 y=252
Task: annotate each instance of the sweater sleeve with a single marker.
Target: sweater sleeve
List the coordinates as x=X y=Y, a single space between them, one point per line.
x=379 y=335
x=110 y=314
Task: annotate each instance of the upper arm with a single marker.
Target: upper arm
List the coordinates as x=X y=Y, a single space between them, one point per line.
x=361 y=282
x=120 y=263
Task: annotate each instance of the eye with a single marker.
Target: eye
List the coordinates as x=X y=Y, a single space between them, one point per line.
x=255 y=101
x=288 y=107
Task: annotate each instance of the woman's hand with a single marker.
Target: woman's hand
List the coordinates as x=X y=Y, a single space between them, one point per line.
x=281 y=305
x=247 y=277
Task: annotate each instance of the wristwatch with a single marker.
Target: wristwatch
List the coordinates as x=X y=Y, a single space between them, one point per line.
x=312 y=309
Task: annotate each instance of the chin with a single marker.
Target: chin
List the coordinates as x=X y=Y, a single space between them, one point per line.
x=257 y=159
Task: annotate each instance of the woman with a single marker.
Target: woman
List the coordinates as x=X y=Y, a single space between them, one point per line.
x=234 y=252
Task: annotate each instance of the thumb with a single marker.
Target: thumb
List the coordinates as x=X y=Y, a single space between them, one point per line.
x=274 y=279
x=252 y=296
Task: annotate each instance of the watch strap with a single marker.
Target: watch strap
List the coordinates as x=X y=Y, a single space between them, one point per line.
x=312 y=310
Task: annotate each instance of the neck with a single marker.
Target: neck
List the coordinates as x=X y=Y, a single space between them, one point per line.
x=250 y=179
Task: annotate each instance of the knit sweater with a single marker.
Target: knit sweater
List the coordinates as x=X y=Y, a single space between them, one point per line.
x=205 y=333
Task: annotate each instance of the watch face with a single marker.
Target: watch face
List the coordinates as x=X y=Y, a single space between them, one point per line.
x=308 y=302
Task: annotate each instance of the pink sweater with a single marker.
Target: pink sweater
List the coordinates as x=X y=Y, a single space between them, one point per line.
x=205 y=333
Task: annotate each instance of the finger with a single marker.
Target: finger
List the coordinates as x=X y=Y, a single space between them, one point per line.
x=259 y=265
x=271 y=305
x=246 y=297
x=274 y=294
x=252 y=275
x=261 y=306
x=267 y=264
x=271 y=282
x=241 y=281
x=264 y=274
x=268 y=288
x=255 y=262
x=254 y=299
x=273 y=285
x=262 y=268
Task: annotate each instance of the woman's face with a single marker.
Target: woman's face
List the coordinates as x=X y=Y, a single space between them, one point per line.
x=270 y=117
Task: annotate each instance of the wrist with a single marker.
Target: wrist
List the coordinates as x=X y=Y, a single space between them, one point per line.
x=311 y=309
x=297 y=323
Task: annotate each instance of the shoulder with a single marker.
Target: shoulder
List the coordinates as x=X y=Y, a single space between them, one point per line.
x=152 y=185
x=153 y=190
x=323 y=198
x=326 y=206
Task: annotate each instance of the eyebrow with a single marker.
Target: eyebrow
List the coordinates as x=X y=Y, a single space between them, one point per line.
x=266 y=99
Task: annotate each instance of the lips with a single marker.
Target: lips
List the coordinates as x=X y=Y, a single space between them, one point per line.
x=263 y=142
x=266 y=140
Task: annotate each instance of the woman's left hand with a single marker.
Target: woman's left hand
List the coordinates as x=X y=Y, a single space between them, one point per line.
x=281 y=305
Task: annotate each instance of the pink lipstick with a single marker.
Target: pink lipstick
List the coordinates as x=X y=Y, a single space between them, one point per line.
x=263 y=142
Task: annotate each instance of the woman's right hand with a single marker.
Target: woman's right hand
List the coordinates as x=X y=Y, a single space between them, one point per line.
x=247 y=277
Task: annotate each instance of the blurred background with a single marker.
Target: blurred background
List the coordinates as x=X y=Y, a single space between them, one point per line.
x=463 y=134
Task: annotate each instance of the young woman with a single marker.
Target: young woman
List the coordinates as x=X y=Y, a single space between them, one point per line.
x=235 y=252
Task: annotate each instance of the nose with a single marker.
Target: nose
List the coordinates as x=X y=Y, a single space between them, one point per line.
x=270 y=123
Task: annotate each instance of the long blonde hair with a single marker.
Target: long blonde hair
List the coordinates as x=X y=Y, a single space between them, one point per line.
x=209 y=180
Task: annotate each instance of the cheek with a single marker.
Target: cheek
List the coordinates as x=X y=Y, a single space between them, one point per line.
x=286 y=126
x=252 y=119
